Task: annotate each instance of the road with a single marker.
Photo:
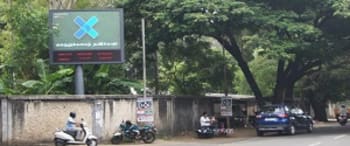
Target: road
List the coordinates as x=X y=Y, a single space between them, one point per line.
x=326 y=135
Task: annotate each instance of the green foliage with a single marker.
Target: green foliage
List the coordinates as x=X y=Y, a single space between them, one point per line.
x=106 y=80
x=264 y=71
x=25 y=38
x=190 y=67
x=328 y=85
x=49 y=83
x=341 y=7
x=201 y=17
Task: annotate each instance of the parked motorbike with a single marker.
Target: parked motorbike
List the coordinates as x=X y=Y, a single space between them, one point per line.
x=145 y=133
x=205 y=132
x=343 y=119
x=84 y=137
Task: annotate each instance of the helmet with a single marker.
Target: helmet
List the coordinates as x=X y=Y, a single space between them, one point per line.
x=128 y=122
x=343 y=106
x=204 y=113
x=72 y=114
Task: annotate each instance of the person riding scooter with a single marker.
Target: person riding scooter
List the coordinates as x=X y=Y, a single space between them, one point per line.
x=343 y=115
x=74 y=133
x=72 y=127
x=343 y=109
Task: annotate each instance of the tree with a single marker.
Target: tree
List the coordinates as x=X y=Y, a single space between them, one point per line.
x=221 y=20
x=24 y=41
x=190 y=66
x=331 y=83
x=264 y=71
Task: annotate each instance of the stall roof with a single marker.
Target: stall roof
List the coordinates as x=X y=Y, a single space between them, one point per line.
x=233 y=96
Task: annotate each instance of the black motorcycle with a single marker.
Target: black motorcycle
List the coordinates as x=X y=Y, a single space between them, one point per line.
x=205 y=132
x=145 y=133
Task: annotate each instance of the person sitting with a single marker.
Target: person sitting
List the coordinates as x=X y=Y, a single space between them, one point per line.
x=214 y=122
x=204 y=120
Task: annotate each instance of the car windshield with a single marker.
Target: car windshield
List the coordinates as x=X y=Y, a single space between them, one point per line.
x=272 y=109
x=297 y=111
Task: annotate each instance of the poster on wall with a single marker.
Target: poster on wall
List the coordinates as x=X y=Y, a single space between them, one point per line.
x=226 y=106
x=144 y=111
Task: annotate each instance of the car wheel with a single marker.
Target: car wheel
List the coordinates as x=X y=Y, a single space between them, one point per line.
x=291 y=130
x=310 y=127
x=259 y=133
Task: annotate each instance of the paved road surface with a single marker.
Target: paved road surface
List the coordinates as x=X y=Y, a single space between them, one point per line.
x=323 y=135
x=328 y=135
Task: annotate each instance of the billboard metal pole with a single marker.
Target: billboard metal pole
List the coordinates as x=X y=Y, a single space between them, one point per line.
x=144 y=56
x=79 y=80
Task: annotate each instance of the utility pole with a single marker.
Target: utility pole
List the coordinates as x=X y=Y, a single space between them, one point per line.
x=144 y=57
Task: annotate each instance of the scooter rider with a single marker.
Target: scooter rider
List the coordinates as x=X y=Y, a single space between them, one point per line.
x=343 y=109
x=72 y=127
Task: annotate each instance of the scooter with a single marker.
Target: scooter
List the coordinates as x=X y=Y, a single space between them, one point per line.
x=84 y=137
x=343 y=119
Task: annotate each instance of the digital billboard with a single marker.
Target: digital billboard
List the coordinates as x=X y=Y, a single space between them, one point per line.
x=86 y=36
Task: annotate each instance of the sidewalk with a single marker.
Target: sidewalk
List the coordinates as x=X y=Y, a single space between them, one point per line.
x=331 y=122
x=239 y=134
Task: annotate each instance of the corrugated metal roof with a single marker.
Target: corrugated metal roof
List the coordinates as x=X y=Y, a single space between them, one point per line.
x=233 y=96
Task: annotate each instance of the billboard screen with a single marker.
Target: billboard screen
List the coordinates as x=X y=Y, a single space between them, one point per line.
x=86 y=36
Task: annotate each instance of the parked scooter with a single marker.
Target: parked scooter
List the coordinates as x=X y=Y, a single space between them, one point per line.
x=343 y=119
x=131 y=132
x=85 y=137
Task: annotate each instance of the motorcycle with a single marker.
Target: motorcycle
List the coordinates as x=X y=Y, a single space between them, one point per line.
x=84 y=137
x=205 y=132
x=145 y=133
x=343 y=119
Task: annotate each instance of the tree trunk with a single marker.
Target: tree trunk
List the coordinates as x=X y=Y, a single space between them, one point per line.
x=251 y=80
x=285 y=82
x=319 y=107
x=283 y=93
x=230 y=44
x=289 y=95
x=232 y=47
x=279 y=91
x=61 y=4
x=156 y=73
x=279 y=95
